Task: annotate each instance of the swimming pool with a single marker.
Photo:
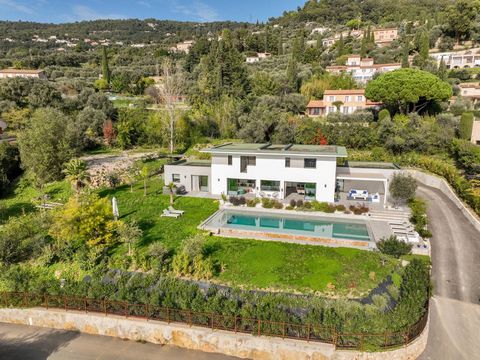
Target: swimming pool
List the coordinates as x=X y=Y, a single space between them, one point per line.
x=298 y=225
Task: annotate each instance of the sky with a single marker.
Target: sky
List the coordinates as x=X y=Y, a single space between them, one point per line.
x=58 y=11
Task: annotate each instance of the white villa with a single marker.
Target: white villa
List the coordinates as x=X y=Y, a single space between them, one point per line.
x=283 y=172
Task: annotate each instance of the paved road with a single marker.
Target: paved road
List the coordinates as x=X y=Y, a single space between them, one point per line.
x=455 y=307
x=22 y=342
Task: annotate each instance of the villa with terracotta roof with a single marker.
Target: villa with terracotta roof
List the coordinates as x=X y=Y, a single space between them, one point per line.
x=344 y=101
x=470 y=91
x=11 y=73
x=385 y=36
x=362 y=69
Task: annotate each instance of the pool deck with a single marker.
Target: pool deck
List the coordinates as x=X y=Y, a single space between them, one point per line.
x=376 y=228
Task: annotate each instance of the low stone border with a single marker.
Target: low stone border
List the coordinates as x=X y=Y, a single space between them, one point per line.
x=442 y=185
x=202 y=339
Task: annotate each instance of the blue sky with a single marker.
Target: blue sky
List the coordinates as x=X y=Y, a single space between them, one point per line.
x=185 y=10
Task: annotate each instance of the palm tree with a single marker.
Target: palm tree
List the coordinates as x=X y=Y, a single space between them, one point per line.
x=171 y=187
x=76 y=172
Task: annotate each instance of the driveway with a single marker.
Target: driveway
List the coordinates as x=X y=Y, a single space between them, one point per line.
x=23 y=342
x=455 y=306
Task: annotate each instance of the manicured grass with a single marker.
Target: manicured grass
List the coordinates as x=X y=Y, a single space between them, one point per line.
x=22 y=198
x=147 y=210
x=267 y=264
x=242 y=262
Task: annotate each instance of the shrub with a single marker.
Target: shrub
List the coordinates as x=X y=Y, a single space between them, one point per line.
x=307 y=205
x=402 y=187
x=289 y=207
x=357 y=211
x=466 y=124
x=293 y=203
x=419 y=217
x=267 y=203
x=394 y=247
x=252 y=202
x=340 y=208
x=277 y=205
x=241 y=200
x=299 y=203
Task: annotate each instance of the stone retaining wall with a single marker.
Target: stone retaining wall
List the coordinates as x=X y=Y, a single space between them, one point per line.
x=196 y=338
x=442 y=185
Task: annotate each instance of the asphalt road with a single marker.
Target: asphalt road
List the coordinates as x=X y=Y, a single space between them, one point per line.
x=455 y=306
x=23 y=342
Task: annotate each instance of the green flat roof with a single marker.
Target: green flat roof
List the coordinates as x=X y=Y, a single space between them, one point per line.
x=317 y=150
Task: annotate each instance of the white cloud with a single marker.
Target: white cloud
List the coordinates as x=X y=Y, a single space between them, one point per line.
x=81 y=12
x=14 y=5
x=196 y=10
x=144 y=3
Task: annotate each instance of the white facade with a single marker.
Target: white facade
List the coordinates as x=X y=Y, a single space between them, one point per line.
x=272 y=168
x=275 y=171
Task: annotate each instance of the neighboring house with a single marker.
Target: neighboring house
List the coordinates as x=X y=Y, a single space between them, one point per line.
x=328 y=42
x=459 y=59
x=385 y=36
x=345 y=101
x=11 y=73
x=281 y=172
x=257 y=58
x=183 y=47
x=470 y=91
x=364 y=69
x=475 y=138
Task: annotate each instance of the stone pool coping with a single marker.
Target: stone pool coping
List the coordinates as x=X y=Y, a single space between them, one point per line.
x=371 y=224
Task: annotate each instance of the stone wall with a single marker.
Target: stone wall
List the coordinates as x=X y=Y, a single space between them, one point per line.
x=442 y=185
x=241 y=345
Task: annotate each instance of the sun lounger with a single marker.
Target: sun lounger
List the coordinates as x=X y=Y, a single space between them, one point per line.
x=175 y=211
x=167 y=213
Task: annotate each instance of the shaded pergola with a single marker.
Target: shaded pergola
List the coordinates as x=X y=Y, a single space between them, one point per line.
x=367 y=177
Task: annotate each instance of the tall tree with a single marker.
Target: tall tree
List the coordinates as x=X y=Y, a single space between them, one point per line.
x=461 y=17
x=105 y=67
x=408 y=89
x=46 y=144
x=292 y=75
x=424 y=46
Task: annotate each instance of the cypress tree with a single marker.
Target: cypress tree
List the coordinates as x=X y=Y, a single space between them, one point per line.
x=424 y=46
x=405 y=63
x=442 y=70
x=466 y=125
x=363 y=49
x=292 y=75
x=105 y=68
x=340 y=46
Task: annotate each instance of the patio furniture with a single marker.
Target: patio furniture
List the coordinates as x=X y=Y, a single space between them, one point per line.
x=375 y=198
x=167 y=213
x=358 y=194
x=175 y=211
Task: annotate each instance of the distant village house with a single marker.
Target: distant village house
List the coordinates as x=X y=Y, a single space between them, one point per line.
x=12 y=73
x=343 y=101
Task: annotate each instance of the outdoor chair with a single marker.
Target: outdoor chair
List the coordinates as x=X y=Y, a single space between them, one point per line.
x=167 y=213
x=175 y=211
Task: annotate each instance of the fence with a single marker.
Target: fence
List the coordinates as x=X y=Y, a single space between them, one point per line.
x=237 y=324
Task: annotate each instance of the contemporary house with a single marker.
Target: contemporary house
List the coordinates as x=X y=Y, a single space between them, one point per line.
x=11 y=73
x=343 y=101
x=364 y=69
x=283 y=172
x=385 y=36
x=459 y=59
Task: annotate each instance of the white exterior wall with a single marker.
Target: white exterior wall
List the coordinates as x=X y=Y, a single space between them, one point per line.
x=272 y=167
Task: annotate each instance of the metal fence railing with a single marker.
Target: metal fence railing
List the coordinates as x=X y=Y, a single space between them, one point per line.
x=237 y=324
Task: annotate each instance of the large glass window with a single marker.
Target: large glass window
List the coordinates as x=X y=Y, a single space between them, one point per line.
x=310 y=163
x=229 y=159
x=287 y=162
x=247 y=161
x=175 y=178
x=269 y=185
x=240 y=186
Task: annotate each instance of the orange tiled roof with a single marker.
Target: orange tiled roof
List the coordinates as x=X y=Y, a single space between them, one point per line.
x=345 y=92
x=316 y=104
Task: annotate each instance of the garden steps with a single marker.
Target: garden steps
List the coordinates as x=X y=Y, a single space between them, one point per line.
x=390 y=215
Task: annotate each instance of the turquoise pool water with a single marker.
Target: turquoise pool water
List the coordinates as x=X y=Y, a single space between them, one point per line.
x=325 y=227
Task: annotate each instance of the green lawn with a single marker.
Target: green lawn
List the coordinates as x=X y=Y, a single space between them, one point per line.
x=242 y=262
x=251 y=263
